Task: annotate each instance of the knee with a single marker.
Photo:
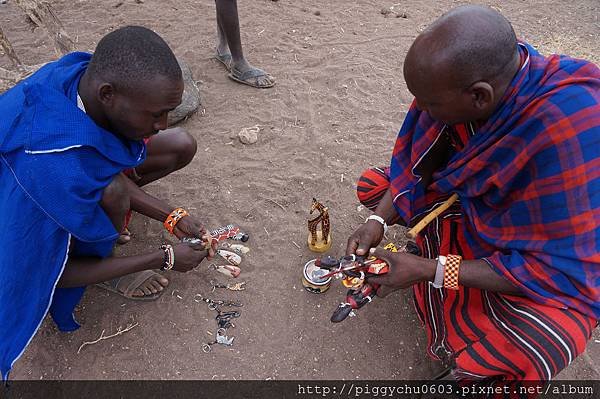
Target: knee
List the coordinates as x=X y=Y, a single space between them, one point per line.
x=115 y=200
x=185 y=148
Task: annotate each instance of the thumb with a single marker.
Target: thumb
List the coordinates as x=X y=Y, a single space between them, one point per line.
x=363 y=249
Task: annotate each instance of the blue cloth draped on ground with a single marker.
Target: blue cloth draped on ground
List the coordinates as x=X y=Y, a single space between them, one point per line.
x=528 y=180
x=54 y=163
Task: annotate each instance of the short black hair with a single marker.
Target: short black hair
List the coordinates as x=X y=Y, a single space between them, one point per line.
x=132 y=56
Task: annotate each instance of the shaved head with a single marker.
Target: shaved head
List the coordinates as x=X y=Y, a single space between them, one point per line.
x=460 y=66
x=467 y=44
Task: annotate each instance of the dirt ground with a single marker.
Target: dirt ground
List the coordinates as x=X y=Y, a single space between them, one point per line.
x=339 y=101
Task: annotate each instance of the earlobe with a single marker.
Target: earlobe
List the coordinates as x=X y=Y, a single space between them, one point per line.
x=482 y=94
x=106 y=93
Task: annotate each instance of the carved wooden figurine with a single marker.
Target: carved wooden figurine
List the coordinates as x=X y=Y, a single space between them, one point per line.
x=319 y=240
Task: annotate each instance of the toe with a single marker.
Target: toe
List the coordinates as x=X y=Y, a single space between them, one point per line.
x=157 y=286
x=162 y=280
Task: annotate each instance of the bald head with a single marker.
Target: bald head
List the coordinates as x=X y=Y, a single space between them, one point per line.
x=467 y=44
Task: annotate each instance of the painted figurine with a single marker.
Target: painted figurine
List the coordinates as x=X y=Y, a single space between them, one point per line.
x=319 y=240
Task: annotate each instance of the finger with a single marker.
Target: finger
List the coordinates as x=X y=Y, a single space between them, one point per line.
x=363 y=248
x=351 y=246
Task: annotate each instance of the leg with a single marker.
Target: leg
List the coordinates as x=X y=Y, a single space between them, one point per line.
x=222 y=45
x=168 y=151
x=228 y=28
x=115 y=202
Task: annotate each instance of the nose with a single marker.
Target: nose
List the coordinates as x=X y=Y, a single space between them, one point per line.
x=162 y=123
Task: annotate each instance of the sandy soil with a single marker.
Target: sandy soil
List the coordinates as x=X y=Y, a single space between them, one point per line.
x=338 y=104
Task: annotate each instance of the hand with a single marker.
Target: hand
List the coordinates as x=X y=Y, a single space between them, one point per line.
x=188 y=256
x=367 y=236
x=189 y=226
x=405 y=270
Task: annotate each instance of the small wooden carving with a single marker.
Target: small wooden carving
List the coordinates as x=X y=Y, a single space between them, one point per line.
x=319 y=240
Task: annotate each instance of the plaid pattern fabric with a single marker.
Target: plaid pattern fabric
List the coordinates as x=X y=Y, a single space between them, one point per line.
x=528 y=180
x=489 y=336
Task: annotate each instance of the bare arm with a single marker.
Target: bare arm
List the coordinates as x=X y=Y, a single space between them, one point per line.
x=81 y=271
x=407 y=269
x=146 y=204
x=386 y=209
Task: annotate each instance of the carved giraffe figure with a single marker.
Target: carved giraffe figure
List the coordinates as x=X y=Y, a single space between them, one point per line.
x=322 y=218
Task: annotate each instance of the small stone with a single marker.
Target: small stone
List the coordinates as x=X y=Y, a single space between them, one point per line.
x=317 y=12
x=385 y=11
x=249 y=135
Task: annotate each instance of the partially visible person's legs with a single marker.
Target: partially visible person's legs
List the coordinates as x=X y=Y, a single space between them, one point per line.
x=229 y=48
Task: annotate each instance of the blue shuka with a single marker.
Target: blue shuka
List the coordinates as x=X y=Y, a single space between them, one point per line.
x=54 y=164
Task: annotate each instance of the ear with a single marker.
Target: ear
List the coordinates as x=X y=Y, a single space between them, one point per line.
x=106 y=94
x=482 y=95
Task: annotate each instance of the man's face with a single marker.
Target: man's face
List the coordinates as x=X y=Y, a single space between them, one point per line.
x=444 y=103
x=141 y=113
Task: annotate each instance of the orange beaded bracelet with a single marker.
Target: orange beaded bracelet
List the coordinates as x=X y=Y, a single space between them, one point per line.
x=173 y=218
x=451 y=271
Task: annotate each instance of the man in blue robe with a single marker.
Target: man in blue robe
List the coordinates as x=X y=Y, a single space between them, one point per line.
x=75 y=149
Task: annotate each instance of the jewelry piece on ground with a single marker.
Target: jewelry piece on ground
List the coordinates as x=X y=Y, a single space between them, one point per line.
x=228 y=270
x=233 y=258
x=240 y=286
x=237 y=248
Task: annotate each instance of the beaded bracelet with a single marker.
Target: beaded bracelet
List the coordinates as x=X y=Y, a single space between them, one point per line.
x=169 y=259
x=173 y=218
x=451 y=271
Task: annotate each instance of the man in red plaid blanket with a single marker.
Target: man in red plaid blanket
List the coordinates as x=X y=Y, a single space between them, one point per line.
x=508 y=284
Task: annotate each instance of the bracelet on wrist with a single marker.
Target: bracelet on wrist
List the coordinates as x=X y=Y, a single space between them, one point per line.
x=169 y=257
x=380 y=220
x=173 y=218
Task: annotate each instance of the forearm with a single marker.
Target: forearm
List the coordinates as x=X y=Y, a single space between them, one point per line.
x=146 y=204
x=386 y=210
x=476 y=274
x=80 y=271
